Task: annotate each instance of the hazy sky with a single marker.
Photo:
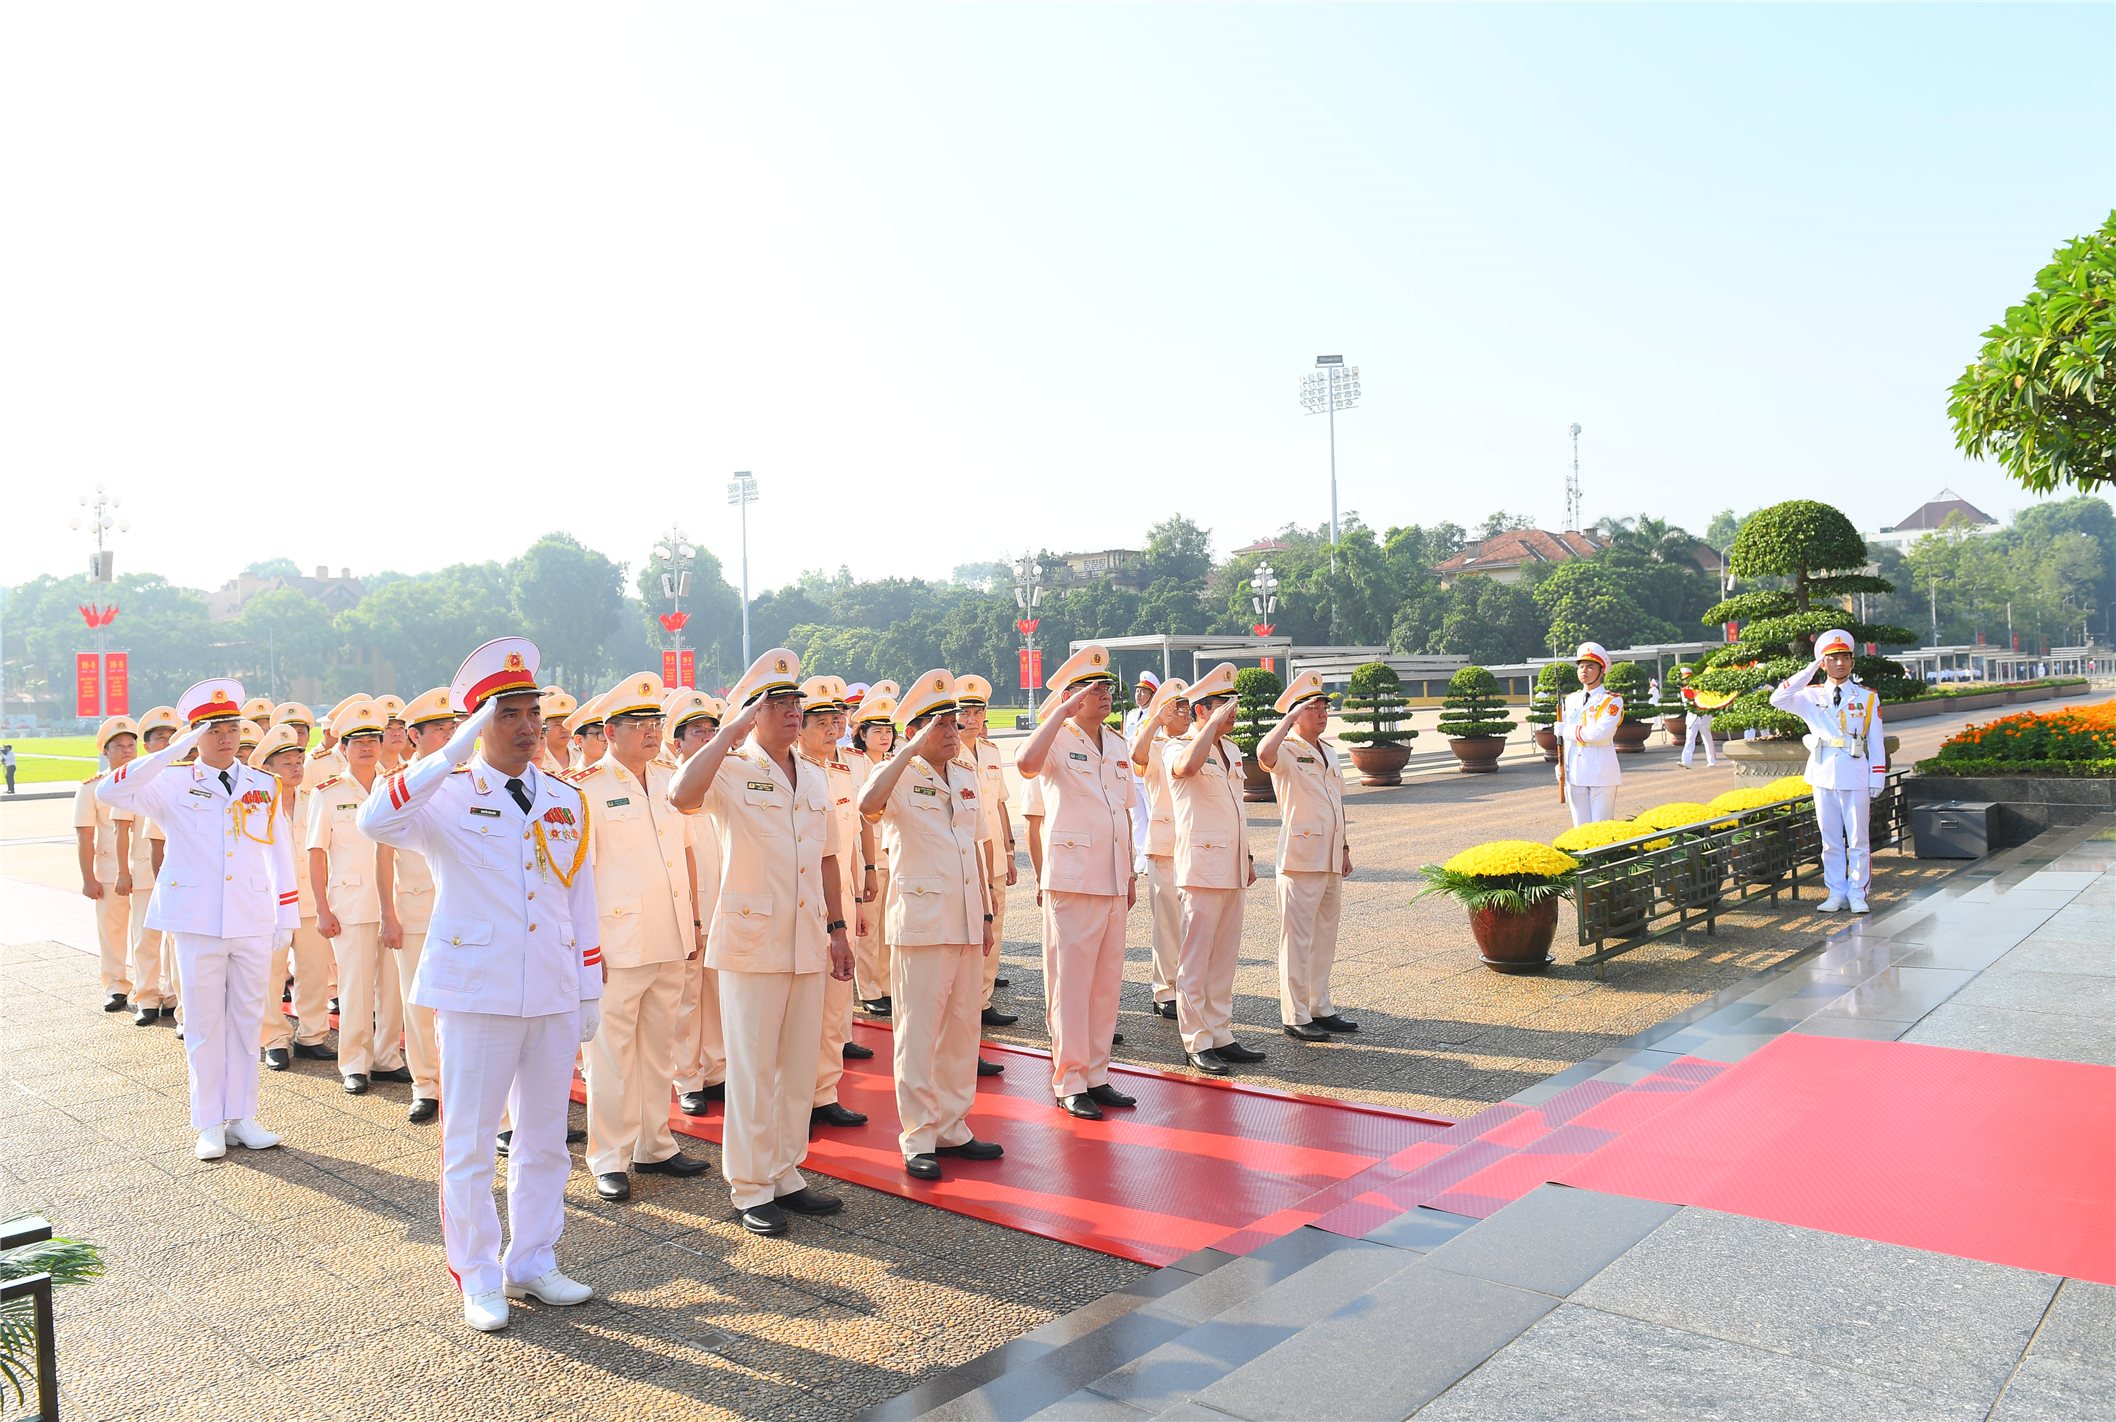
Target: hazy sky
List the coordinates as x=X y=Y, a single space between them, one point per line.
x=393 y=286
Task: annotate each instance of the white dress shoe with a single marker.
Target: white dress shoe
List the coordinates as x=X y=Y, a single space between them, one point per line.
x=552 y=1287
x=1831 y=904
x=487 y=1313
x=247 y=1132
x=212 y=1143
x=1858 y=905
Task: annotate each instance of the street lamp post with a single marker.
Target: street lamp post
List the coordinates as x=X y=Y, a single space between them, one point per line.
x=1572 y=486
x=1263 y=590
x=1330 y=387
x=1028 y=593
x=743 y=492
x=675 y=556
x=101 y=519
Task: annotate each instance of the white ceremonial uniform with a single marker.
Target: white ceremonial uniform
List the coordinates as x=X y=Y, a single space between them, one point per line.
x=1697 y=726
x=1587 y=728
x=147 y=959
x=113 y=910
x=226 y=888
x=1087 y=789
x=837 y=996
x=701 y=1049
x=413 y=879
x=643 y=900
x=1212 y=870
x=511 y=953
x=772 y=952
x=370 y=1004
x=310 y=953
x=993 y=830
x=1311 y=854
x=1847 y=764
x=1158 y=850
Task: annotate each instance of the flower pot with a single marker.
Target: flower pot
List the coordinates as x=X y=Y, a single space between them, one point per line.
x=1631 y=737
x=1380 y=764
x=1548 y=740
x=1675 y=726
x=1479 y=755
x=1765 y=760
x=1256 y=782
x=1512 y=942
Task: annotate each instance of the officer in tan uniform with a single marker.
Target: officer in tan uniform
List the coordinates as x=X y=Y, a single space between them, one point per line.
x=586 y=743
x=247 y=737
x=1165 y=716
x=1314 y=856
x=258 y=709
x=407 y=893
x=779 y=926
x=822 y=721
x=96 y=836
x=973 y=695
x=328 y=760
x=873 y=738
x=644 y=902
x=1213 y=866
x=693 y=718
x=1087 y=884
x=281 y=1038
x=925 y=798
x=349 y=908
x=396 y=740
x=557 y=753
x=303 y=720
x=149 y=964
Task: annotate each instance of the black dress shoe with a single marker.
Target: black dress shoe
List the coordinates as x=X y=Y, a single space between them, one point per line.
x=114 y=1002
x=1107 y=1095
x=422 y=1111
x=854 y=1052
x=1208 y=1061
x=276 y=1059
x=993 y=1017
x=682 y=1166
x=314 y=1052
x=169 y=1010
x=691 y=1103
x=1335 y=1022
x=766 y=1218
x=1116 y=1039
x=1082 y=1106
x=985 y=1068
x=576 y=1136
x=400 y=1075
x=356 y=1084
x=615 y=1186
x=334 y=1007
x=1236 y=1052
x=973 y=1149
x=286 y=991
x=145 y=1016
x=1002 y=981
x=876 y=1007
x=832 y=1114
x=505 y=1143
x=805 y=1201
x=922 y=1167
x=1166 y=1009
x=1306 y=1032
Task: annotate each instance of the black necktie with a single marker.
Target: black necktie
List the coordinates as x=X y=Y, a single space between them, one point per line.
x=1837 y=697
x=227 y=782
x=521 y=796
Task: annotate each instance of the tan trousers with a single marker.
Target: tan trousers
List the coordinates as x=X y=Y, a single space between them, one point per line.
x=421 y=1052
x=1083 y=961
x=149 y=954
x=370 y=1005
x=312 y=991
x=1308 y=907
x=870 y=948
x=934 y=1030
x=774 y=1023
x=113 y=918
x=631 y=1066
x=701 y=1050
x=999 y=937
x=1212 y=948
x=1167 y=914
x=837 y=1026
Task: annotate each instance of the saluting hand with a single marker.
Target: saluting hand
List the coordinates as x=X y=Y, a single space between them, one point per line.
x=738 y=724
x=924 y=740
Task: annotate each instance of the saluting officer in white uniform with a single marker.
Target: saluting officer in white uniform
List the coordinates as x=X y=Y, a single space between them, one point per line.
x=511 y=966
x=1587 y=726
x=1847 y=763
x=227 y=895
x=1314 y=856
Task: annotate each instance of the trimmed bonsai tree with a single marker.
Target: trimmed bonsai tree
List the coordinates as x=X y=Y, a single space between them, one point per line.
x=1256 y=712
x=1671 y=701
x=1376 y=704
x=1629 y=680
x=1554 y=683
x=1821 y=558
x=1474 y=719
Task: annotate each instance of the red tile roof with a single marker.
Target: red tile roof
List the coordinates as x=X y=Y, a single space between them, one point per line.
x=1526 y=545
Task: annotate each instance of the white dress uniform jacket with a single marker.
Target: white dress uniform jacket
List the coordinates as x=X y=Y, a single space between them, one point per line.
x=227 y=865
x=1846 y=748
x=1587 y=725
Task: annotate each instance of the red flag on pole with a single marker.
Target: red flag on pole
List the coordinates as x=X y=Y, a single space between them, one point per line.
x=1031 y=668
x=117 y=684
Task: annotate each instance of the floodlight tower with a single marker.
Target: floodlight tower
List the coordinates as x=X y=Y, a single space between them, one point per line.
x=1330 y=387
x=743 y=492
x=1572 y=486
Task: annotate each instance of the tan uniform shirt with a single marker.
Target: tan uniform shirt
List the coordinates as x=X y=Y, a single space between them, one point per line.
x=1311 y=787
x=414 y=880
x=297 y=830
x=931 y=824
x=636 y=841
x=844 y=788
x=1087 y=792
x=1211 y=833
x=1160 y=806
x=775 y=833
x=141 y=847
x=91 y=813
x=992 y=798
x=352 y=892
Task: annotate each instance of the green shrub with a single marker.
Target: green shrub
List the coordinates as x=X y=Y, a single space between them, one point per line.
x=1554 y=683
x=1256 y=693
x=1628 y=680
x=1376 y=702
x=1473 y=710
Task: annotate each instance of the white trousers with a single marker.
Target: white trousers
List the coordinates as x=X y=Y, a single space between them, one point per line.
x=837 y=1027
x=421 y=1053
x=144 y=951
x=1847 y=862
x=1165 y=910
x=701 y=1051
x=224 y=996
x=774 y=1025
x=1308 y=908
x=113 y=917
x=1083 y=966
x=523 y=1066
x=370 y=1004
x=1212 y=947
x=311 y=953
x=1695 y=729
x=1591 y=802
x=933 y=1031
x=631 y=1068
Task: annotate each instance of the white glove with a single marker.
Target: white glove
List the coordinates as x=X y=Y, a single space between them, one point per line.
x=590 y=1020
x=282 y=938
x=464 y=743
x=188 y=740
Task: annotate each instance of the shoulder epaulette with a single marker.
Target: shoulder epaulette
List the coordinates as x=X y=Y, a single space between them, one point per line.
x=327 y=784
x=582 y=775
x=460 y=770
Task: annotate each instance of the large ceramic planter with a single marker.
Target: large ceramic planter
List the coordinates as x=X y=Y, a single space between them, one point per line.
x=1380 y=764
x=1479 y=755
x=1631 y=737
x=1256 y=782
x=1512 y=942
x=1675 y=726
x=1548 y=740
x=1765 y=760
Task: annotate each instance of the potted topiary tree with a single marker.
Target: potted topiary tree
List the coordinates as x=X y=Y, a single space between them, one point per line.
x=1628 y=680
x=1256 y=694
x=1553 y=684
x=1375 y=702
x=1474 y=720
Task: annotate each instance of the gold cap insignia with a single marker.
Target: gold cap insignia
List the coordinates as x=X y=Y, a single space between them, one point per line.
x=220 y=697
x=514 y=661
x=940 y=684
x=779 y=665
x=1096 y=658
x=644 y=688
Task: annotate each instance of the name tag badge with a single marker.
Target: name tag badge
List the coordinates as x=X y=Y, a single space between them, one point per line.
x=762 y=785
x=350 y=805
x=1305 y=759
x=1078 y=755
x=203 y=794
x=924 y=790
x=482 y=810
x=620 y=800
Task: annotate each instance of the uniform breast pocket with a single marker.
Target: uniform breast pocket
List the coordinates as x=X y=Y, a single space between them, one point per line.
x=918 y=916
x=620 y=925
x=766 y=811
x=454 y=956
x=743 y=921
x=481 y=841
x=348 y=879
x=260 y=881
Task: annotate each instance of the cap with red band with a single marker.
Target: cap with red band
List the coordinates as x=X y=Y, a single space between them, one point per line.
x=218 y=699
x=505 y=666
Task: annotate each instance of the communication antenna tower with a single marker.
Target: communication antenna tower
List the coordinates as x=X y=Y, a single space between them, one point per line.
x=1572 y=487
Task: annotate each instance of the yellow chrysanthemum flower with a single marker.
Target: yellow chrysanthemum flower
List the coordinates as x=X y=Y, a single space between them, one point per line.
x=1674 y=815
x=1788 y=786
x=1593 y=835
x=1505 y=858
x=1749 y=798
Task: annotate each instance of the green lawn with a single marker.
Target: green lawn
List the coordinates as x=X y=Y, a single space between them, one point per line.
x=44 y=759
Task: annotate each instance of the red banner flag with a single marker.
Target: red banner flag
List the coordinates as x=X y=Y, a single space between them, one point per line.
x=1269 y=663
x=1031 y=668
x=679 y=668
x=1733 y=632
x=117 y=684
x=675 y=621
x=87 y=682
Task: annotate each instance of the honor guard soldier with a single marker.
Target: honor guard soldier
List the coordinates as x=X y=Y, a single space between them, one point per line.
x=1166 y=717
x=96 y=835
x=822 y=721
x=1587 y=722
x=873 y=739
x=585 y=741
x=557 y=754
x=227 y=895
x=643 y=897
x=925 y=797
x=349 y=907
x=701 y=1051
x=1314 y=856
x=407 y=892
x=1086 y=882
x=284 y=755
x=512 y=968
x=1213 y=866
x=779 y=926
x=1847 y=764
x=1697 y=723
x=148 y=963
x=973 y=697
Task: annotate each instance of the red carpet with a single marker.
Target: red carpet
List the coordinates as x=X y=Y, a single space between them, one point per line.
x=2006 y=1159
x=1197 y=1163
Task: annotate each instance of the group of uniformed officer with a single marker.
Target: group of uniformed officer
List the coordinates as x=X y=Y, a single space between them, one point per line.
x=816 y=869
